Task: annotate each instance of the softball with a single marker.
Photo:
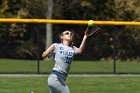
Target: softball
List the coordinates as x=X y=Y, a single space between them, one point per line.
x=32 y=91
x=90 y=23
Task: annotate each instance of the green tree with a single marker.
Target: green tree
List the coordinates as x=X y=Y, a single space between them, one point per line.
x=11 y=34
x=102 y=46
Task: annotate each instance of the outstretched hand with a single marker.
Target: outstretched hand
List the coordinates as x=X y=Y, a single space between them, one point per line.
x=87 y=32
x=92 y=33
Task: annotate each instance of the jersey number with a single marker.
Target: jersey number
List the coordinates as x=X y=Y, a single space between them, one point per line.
x=68 y=60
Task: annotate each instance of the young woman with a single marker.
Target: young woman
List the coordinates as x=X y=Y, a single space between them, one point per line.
x=64 y=53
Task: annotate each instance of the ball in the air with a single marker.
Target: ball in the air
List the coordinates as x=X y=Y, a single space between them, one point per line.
x=90 y=23
x=32 y=91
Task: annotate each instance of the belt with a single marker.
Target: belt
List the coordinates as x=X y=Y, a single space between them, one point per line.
x=64 y=74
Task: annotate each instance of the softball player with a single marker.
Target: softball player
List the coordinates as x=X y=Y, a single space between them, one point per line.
x=64 y=53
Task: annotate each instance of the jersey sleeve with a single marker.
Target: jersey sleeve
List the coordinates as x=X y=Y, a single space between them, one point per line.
x=52 y=53
x=55 y=47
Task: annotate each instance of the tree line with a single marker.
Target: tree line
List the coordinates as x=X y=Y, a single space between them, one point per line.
x=19 y=40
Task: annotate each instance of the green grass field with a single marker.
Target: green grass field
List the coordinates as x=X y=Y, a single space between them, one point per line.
x=84 y=67
x=113 y=84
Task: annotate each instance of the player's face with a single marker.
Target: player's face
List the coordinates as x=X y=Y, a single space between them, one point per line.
x=67 y=35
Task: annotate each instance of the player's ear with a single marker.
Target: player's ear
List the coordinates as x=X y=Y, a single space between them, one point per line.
x=61 y=37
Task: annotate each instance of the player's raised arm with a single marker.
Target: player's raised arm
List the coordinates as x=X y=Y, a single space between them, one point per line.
x=89 y=33
x=50 y=49
x=82 y=46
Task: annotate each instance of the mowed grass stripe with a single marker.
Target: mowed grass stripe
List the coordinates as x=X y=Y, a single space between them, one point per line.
x=76 y=84
x=77 y=67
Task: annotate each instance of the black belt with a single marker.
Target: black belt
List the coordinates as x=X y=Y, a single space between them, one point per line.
x=65 y=74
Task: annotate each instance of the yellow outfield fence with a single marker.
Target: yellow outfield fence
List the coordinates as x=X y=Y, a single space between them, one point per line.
x=52 y=21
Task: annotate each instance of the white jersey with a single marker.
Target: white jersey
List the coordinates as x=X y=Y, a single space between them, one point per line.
x=63 y=57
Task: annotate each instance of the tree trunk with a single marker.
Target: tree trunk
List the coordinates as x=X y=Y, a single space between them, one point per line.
x=49 y=32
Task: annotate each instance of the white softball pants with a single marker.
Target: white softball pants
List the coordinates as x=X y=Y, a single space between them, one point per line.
x=57 y=84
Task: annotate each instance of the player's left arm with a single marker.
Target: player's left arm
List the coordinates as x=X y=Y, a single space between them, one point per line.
x=82 y=45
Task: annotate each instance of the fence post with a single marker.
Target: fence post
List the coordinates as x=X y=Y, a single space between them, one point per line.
x=38 y=50
x=114 y=49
